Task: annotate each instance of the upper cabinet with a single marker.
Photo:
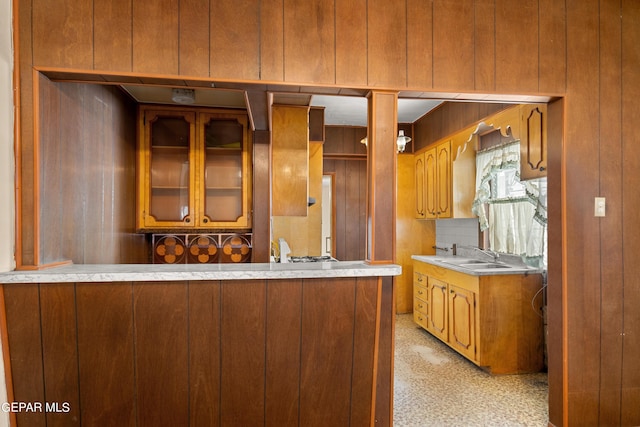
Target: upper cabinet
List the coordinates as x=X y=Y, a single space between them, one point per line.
x=527 y=123
x=445 y=179
x=533 y=141
x=289 y=160
x=194 y=169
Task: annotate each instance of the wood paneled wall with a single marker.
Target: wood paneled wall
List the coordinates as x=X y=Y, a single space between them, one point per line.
x=449 y=118
x=346 y=158
x=87 y=175
x=583 y=50
x=241 y=353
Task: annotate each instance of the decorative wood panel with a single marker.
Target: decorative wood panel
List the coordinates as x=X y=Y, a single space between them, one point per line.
x=106 y=371
x=552 y=41
x=283 y=341
x=235 y=51
x=351 y=42
x=630 y=108
x=310 y=24
x=485 y=46
x=611 y=185
x=60 y=353
x=194 y=37
x=62 y=33
x=419 y=46
x=272 y=40
x=242 y=359
x=364 y=334
x=204 y=354
x=386 y=46
x=582 y=129
x=272 y=352
x=161 y=353
x=326 y=371
x=155 y=37
x=112 y=35
x=453 y=31
x=517 y=46
x=25 y=346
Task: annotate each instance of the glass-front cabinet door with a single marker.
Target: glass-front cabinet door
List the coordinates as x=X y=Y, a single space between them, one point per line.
x=168 y=158
x=194 y=169
x=225 y=169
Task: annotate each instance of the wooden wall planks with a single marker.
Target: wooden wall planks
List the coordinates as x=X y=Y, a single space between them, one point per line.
x=155 y=37
x=194 y=41
x=106 y=371
x=310 y=24
x=341 y=148
x=569 y=62
x=351 y=42
x=87 y=175
x=112 y=32
x=453 y=44
x=630 y=158
x=259 y=352
x=234 y=51
x=443 y=45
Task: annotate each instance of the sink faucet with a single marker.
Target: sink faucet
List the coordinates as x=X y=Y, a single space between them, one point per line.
x=488 y=252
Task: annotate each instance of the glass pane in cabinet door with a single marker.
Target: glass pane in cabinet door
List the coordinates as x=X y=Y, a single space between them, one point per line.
x=223 y=170
x=169 y=169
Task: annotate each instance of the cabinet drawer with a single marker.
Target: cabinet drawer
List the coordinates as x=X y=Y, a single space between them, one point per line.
x=419 y=279
x=420 y=292
x=420 y=319
x=420 y=306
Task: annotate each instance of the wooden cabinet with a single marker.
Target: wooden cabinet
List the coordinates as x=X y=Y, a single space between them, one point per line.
x=494 y=321
x=290 y=160
x=528 y=124
x=533 y=141
x=420 y=299
x=420 y=193
x=433 y=193
x=445 y=179
x=194 y=169
x=462 y=316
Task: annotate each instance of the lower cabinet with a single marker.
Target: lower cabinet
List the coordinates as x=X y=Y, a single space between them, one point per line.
x=494 y=321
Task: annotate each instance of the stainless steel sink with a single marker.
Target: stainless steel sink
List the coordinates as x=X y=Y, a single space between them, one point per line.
x=461 y=261
x=483 y=265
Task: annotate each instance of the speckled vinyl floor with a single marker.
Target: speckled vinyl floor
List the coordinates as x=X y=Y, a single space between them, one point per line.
x=434 y=386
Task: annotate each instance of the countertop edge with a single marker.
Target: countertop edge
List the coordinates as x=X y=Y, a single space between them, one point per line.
x=198 y=272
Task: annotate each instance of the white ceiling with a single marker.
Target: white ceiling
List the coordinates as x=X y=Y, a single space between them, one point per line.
x=352 y=110
x=338 y=110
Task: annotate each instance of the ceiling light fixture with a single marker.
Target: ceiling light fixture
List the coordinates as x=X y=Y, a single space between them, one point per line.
x=402 y=141
x=183 y=96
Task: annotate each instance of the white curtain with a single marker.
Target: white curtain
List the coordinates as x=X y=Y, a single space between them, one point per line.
x=513 y=212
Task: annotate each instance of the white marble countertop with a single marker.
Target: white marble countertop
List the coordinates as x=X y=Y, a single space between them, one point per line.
x=482 y=268
x=173 y=272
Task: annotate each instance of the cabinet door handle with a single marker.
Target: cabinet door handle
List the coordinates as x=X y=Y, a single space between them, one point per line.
x=205 y=220
x=187 y=220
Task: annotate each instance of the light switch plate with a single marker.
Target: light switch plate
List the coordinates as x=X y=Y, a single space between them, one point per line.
x=600 y=206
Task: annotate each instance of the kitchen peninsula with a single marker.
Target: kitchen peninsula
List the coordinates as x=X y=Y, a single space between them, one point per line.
x=228 y=344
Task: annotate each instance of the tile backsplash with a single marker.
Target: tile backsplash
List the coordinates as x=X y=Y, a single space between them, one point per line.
x=461 y=231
